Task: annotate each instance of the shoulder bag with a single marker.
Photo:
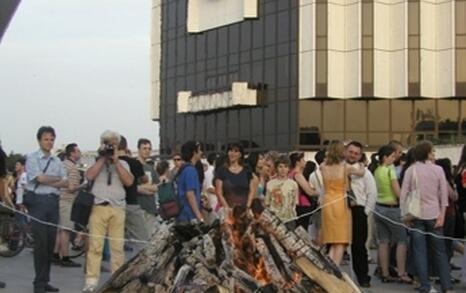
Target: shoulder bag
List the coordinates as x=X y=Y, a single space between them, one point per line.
x=82 y=206
x=411 y=209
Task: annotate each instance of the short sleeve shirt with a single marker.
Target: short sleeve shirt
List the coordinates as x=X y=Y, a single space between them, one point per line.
x=188 y=180
x=384 y=175
x=137 y=170
x=20 y=186
x=235 y=186
x=74 y=179
x=147 y=202
x=113 y=193
x=281 y=198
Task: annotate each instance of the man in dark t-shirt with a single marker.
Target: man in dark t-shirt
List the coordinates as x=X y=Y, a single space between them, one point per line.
x=135 y=227
x=147 y=190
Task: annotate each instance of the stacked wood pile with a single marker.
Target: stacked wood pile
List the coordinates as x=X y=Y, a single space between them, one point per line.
x=239 y=253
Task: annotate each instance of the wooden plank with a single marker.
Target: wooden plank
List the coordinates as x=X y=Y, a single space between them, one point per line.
x=328 y=282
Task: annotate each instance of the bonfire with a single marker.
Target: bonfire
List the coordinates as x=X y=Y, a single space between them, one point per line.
x=243 y=251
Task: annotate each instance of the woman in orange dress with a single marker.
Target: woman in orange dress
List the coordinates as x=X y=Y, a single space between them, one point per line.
x=336 y=214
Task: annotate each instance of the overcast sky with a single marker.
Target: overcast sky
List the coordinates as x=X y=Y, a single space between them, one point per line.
x=82 y=66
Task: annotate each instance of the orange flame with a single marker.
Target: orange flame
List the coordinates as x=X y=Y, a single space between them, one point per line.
x=246 y=257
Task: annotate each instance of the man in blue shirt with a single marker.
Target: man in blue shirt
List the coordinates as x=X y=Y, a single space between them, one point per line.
x=45 y=175
x=188 y=184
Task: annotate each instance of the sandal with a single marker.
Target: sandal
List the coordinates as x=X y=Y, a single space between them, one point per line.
x=387 y=279
x=405 y=279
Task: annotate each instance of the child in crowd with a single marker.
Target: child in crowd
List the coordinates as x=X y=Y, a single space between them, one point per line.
x=282 y=193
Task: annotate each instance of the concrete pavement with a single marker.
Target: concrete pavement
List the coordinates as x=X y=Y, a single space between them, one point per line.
x=18 y=273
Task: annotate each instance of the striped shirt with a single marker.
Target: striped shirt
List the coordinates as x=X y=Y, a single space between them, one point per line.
x=74 y=179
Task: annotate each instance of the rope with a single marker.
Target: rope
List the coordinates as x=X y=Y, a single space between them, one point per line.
x=69 y=229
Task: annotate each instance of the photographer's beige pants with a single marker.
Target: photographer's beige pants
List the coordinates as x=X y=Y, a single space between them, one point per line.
x=110 y=221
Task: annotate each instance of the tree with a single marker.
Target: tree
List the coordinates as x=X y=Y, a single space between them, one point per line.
x=11 y=161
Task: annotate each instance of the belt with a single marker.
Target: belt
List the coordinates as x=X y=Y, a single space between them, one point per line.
x=53 y=195
x=388 y=205
x=105 y=203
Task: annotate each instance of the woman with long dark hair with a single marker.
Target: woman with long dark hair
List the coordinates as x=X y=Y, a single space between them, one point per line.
x=388 y=206
x=307 y=200
x=450 y=213
x=235 y=184
x=409 y=161
x=255 y=161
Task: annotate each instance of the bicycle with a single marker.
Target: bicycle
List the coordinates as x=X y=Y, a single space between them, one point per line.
x=16 y=234
x=12 y=236
x=78 y=243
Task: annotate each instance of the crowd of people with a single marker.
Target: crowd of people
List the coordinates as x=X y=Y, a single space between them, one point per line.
x=347 y=204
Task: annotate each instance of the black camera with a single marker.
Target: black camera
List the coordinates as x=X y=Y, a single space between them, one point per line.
x=107 y=151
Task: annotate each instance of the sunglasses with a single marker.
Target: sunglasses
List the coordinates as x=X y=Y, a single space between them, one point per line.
x=177 y=159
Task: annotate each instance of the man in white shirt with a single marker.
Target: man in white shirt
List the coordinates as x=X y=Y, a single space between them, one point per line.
x=365 y=193
x=20 y=167
x=208 y=184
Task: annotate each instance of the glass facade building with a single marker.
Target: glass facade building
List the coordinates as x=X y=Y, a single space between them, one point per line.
x=315 y=71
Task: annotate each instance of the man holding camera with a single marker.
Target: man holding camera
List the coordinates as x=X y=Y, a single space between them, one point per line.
x=45 y=176
x=110 y=176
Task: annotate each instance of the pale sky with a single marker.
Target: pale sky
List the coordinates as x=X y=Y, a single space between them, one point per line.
x=81 y=66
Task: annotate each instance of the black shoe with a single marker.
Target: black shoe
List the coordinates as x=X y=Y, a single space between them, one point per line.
x=365 y=285
x=56 y=259
x=68 y=263
x=455 y=267
x=50 y=288
x=2 y=285
x=378 y=272
x=39 y=290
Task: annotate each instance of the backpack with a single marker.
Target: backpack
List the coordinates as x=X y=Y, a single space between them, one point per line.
x=169 y=205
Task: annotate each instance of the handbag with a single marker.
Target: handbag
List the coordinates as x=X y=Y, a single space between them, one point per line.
x=82 y=206
x=412 y=206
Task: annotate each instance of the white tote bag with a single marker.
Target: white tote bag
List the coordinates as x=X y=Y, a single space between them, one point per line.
x=412 y=206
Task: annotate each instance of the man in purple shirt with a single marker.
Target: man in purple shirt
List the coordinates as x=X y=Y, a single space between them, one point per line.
x=432 y=187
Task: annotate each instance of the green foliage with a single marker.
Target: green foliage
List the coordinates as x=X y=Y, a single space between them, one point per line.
x=11 y=161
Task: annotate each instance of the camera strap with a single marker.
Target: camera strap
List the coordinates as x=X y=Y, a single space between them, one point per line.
x=43 y=172
x=109 y=174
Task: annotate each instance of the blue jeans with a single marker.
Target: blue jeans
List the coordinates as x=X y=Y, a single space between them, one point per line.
x=437 y=251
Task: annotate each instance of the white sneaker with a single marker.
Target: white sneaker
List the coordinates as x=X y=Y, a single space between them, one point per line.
x=433 y=290
x=89 y=288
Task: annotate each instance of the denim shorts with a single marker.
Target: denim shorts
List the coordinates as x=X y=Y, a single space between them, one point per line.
x=386 y=231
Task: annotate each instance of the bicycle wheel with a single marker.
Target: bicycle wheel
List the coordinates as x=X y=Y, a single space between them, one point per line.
x=11 y=238
x=26 y=225
x=78 y=244
x=28 y=239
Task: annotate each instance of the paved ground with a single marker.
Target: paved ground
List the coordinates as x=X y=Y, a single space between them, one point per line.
x=18 y=273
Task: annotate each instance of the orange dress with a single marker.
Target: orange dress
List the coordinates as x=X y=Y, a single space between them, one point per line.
x=336 y=216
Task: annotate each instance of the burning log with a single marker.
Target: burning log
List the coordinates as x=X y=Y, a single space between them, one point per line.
x=244 y=254
x=270 y=265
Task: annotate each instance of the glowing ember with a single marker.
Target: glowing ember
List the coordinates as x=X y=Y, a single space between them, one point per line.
x=242 y=239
